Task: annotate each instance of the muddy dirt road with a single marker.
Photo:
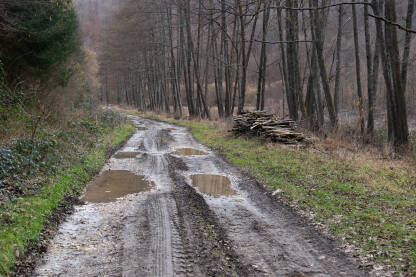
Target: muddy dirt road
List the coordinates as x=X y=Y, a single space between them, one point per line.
x=165 y=205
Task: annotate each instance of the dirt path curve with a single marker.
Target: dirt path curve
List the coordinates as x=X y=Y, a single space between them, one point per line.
x=224 y=226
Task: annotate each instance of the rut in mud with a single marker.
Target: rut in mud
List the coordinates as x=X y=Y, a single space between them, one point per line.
x=165 y=205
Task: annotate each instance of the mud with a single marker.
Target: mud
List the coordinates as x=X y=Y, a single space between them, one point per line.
x=214 y=185
x=214 y=249
x=27 y=262
x=126 y=155
x=202 y=217
x=112 y=184
x=297 y=274
x=189 y=152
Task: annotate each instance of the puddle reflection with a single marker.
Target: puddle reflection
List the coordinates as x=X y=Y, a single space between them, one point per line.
x=189 y=152
x=126 y=155
x=213 y=185
x=113 y=184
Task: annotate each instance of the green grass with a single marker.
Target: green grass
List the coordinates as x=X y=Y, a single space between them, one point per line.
x=373 y=208
x=26 y=217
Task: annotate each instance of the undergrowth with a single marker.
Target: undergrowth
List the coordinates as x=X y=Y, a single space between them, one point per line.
x=36 y=175
x=25 y=161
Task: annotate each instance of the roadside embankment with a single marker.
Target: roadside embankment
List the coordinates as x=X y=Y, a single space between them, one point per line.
x=37 y=193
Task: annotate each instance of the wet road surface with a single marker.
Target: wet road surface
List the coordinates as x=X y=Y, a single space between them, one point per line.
x=165 y=205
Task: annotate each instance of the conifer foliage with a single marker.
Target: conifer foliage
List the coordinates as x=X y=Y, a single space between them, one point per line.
x=37 y=34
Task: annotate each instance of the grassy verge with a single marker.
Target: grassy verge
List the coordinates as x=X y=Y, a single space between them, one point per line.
x=371 y=207
x=24 y=218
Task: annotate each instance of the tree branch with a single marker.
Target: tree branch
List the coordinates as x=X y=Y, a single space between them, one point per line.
x=277 y=42
x=322 y=7
x=393 y=23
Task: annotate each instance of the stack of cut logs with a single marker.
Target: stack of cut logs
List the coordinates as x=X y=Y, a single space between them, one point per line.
x=263 y=124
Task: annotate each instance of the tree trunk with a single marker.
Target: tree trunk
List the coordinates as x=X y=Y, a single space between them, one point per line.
x=399 y=114
x=396 y=106
x=293 y=77
x=194 y=58
x=372 y=70
x=407 y=40
x=338 y=59
x=283 y=67
x=358 y=69
x=245 y=56
x=263 y=60
x=318 y=42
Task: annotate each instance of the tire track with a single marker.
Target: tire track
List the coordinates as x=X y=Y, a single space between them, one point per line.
x=173 y=230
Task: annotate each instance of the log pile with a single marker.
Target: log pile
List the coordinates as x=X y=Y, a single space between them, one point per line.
x=267 y=125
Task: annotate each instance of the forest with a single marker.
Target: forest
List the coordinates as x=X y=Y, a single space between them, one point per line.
x=327 y=64
x=207 y=138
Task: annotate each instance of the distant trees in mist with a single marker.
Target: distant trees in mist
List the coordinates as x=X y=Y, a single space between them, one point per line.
x=309 y=59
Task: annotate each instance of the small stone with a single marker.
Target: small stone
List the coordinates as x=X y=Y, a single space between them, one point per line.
x=276 y=192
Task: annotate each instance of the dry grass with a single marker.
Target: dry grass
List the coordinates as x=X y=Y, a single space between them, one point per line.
x=335 y=145
x=339 y=146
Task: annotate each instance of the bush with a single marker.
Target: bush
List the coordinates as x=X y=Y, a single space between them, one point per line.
x=22 y=159
x=25 y=161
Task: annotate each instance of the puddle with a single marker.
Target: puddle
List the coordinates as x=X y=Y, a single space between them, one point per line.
x=239 y=200
x=126 y=155
x=189 y=152
x=113 y=184
x=297 y=274
x=213 y=185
